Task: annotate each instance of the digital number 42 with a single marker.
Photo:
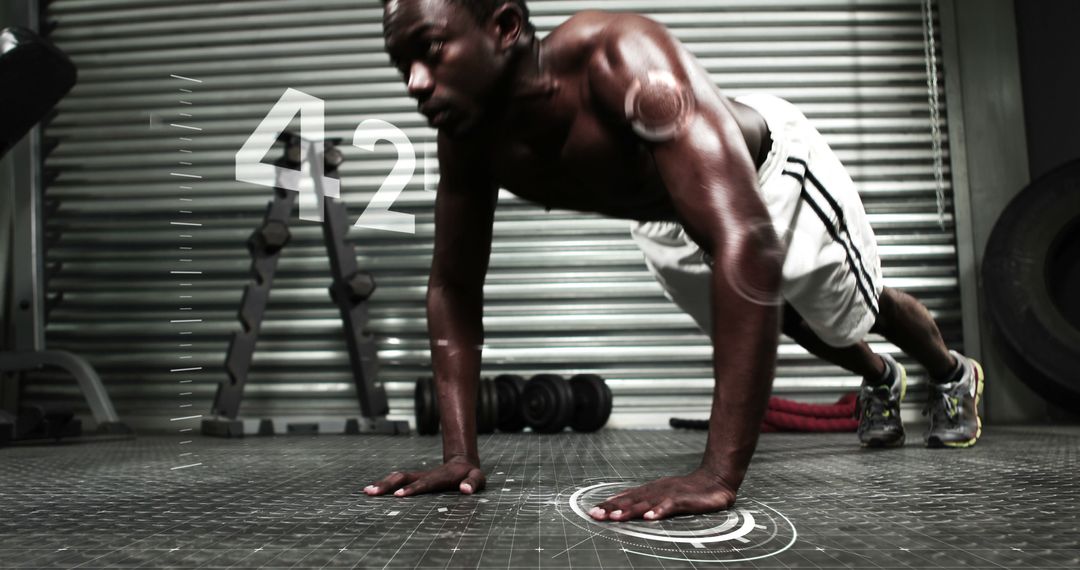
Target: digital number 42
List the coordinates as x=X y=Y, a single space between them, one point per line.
x=310 y=181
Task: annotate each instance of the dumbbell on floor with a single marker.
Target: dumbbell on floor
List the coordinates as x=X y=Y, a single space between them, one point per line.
x=550 y=403
x=547 y=403
x=508 y=390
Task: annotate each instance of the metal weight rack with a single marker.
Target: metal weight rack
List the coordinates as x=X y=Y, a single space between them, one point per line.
x=350 y=288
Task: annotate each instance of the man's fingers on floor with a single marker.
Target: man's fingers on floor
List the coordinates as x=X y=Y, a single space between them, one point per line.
x=400 y=480
x=388 y=483
x=659 y=511
x=417 y=487
x=620 y=504
x=473 y=483
x=634 y=511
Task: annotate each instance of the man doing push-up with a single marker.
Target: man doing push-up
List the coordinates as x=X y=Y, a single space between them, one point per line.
x=745 y=216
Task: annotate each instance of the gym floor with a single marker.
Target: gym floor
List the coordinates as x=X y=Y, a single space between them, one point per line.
x=811 y=501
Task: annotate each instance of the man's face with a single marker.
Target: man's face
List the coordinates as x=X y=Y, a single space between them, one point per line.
x=446 y=57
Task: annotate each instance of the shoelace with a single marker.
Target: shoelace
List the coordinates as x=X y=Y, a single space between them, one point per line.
x=948 y=410
x=877 y=407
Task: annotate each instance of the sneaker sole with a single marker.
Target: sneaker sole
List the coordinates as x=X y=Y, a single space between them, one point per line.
x=878 y=442
x=903 y=381
x=979 y=377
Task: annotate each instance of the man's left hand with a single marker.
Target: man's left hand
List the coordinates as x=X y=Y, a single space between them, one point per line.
x=696 y=493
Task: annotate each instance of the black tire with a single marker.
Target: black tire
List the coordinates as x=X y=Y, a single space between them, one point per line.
x=1031 y=280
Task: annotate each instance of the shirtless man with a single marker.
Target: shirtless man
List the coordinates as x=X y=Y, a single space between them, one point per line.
x=744 y=215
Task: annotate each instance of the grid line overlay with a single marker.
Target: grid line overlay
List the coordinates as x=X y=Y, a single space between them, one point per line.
x=297 y=501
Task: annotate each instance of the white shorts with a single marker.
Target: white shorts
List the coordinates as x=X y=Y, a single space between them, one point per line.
x=831 y=270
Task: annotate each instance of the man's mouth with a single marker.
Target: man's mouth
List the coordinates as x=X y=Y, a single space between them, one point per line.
x=438 y=119
x=436 y=114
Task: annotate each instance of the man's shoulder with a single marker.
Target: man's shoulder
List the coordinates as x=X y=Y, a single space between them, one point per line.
x=594 y=39
x=588 y=33
x=592 y=24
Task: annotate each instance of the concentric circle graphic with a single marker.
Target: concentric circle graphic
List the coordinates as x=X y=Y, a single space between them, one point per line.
x=750 y=531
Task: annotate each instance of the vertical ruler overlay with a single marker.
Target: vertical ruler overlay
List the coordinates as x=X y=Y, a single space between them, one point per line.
x=184 y=273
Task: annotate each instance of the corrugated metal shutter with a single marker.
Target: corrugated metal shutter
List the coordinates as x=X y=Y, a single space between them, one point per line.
x=566 y=293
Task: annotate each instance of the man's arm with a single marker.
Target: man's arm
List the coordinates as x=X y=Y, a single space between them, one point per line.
x=645 y=81
x=464 y=213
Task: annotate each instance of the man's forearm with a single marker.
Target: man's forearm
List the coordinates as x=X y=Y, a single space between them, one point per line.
x=745 y=336
x=455 y=326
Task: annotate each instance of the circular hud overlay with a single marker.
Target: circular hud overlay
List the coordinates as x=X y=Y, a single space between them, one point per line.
x=750 y=531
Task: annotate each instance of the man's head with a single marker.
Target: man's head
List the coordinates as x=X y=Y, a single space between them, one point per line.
x=455 y=54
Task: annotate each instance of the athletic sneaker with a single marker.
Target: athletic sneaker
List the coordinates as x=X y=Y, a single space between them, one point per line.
x=878 y=408
x=954 y=407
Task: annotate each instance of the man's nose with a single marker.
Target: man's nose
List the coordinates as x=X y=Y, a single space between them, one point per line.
x=420 y=80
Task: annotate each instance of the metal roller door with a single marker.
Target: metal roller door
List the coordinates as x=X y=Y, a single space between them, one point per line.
x=567 y=292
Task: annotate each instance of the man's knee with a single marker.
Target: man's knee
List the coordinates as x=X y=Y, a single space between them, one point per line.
x=886 y=308
x=878 y=327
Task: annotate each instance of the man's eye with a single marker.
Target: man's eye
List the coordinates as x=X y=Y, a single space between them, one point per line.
x=434 y=48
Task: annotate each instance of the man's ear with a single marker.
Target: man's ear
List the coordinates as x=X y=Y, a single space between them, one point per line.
x=509 y=25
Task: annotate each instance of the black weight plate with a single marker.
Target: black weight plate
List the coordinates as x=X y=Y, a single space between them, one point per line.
x=547 y=403
x=1031 y=272
x=493 y=408
x=509 y=388
x=427 y=408
x=592 y=402
x=484 y=406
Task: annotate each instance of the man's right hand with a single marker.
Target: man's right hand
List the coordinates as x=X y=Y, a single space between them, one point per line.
x=464 y=475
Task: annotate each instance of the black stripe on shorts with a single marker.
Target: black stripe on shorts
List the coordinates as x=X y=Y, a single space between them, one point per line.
x=839 y=216
x=850 y=250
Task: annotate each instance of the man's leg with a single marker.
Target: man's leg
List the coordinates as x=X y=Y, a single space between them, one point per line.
x=905 y=322
x=902 y=320
x=883 y=387
x=857 y=358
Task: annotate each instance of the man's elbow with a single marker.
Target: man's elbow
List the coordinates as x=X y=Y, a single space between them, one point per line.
x=754 y=267
x=456 y=290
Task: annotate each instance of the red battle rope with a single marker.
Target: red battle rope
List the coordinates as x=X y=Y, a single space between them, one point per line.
x=788 y=415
